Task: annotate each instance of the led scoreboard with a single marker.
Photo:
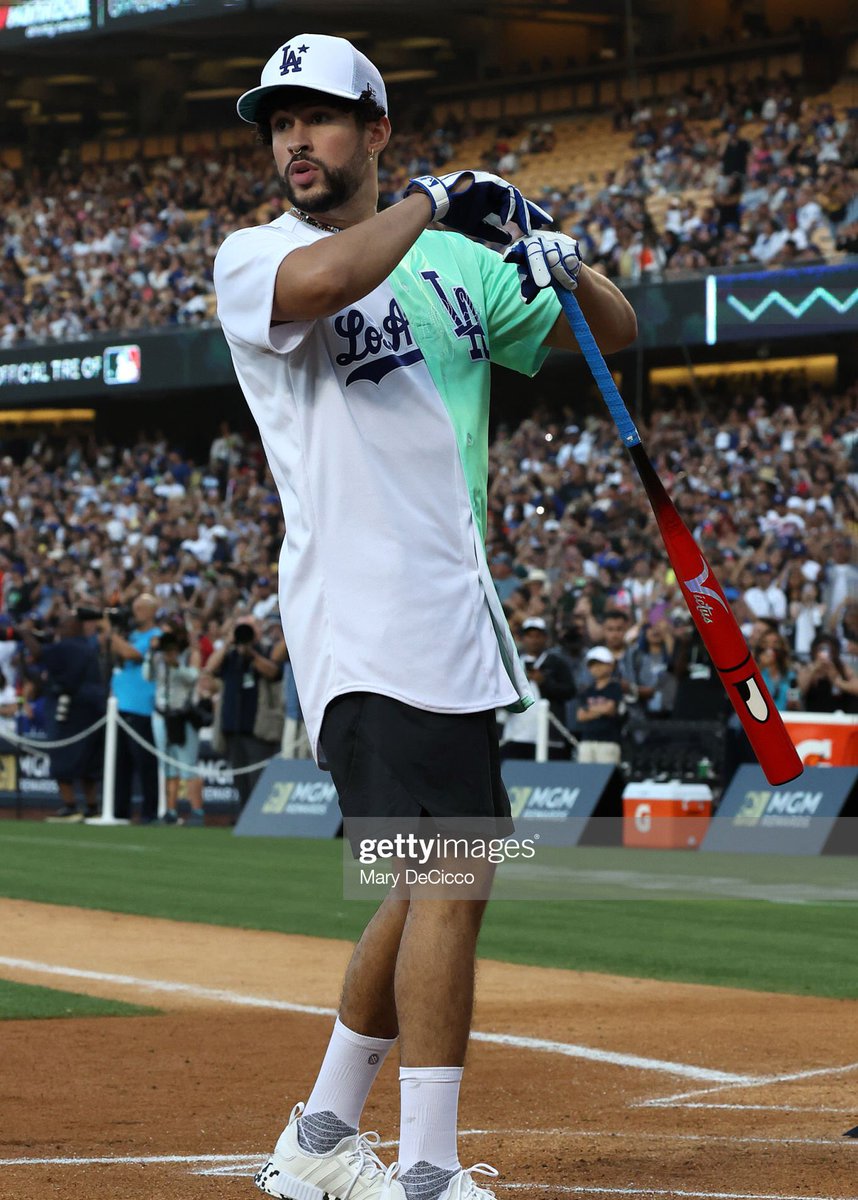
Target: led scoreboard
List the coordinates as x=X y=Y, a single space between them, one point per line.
x=57 y=19
x=782 y=303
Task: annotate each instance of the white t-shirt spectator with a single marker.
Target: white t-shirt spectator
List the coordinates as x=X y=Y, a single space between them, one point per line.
x=809 y=215
x=767 y=600
x=768 y=245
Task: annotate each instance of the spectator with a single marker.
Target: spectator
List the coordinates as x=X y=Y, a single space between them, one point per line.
x=826 y=683
x=174 y=667
x=551 y=679
x=807 y=614
x=734 y=159
x=135 y=696
x=244 y=668
x=654 y=686
x=773 y=659
x=263 y=599
x=616 y=630
x=76 y=696
x=505 y=579
x=841 y=575
x=764 y=598
x=599 y=713
x=296 y=743
x=8 y=705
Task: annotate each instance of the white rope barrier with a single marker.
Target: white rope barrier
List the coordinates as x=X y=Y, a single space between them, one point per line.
x=18 y=739
x=168 y=760
x=561 y=729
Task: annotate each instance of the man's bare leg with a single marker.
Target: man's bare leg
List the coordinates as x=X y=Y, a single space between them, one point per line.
x=363 y=1034
x=434 y=999
x=435 y=981
x=368 y=1004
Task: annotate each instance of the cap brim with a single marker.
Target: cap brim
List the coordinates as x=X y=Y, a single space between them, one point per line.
x=249 y=103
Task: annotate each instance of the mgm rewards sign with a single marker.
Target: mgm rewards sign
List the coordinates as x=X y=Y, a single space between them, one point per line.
x=812 y=815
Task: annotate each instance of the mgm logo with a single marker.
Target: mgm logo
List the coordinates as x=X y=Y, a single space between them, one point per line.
x=777 y=807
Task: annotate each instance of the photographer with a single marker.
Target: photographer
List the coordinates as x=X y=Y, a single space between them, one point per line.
x=135 y=696
x=174 y=668
x=75 y=699
x=249 y=718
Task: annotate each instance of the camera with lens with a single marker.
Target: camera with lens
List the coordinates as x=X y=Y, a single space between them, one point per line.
x=85 y=612
x=173 y=639
x=119 y=618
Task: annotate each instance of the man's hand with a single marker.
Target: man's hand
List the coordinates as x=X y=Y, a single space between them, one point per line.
x=543 y=259
x=479 y=208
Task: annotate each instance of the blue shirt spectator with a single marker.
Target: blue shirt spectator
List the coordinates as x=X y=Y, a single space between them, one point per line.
x=133 y=692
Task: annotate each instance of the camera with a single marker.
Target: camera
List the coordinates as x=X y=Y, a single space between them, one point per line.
x=85 y=612
x=244 y=634
x=119 y=618
x=173 y=639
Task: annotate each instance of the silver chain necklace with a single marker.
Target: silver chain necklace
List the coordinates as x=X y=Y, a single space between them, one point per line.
x=308 y=220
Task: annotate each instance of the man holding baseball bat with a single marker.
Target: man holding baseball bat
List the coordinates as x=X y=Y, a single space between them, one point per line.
x=362 y=343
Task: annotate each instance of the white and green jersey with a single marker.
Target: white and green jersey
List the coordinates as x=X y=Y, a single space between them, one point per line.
x=375 y=425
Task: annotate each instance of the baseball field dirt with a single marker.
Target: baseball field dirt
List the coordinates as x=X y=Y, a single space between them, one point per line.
x=578 y=1084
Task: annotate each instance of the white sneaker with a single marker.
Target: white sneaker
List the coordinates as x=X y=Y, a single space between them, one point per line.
x=463 y=1187
x=351 y=1171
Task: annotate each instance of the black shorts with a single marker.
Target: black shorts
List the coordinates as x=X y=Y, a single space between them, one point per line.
x=390 y=760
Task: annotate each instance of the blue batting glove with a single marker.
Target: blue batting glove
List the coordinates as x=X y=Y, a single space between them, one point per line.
x=483 y=208
x=543 y=259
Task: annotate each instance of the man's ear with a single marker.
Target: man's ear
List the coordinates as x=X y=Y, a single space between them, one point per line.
x=379 y=135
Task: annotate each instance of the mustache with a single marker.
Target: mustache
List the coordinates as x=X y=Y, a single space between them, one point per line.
x=302 y=158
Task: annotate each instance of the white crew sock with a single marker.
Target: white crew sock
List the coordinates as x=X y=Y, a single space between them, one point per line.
x=348 y=1071
x=429 y=1099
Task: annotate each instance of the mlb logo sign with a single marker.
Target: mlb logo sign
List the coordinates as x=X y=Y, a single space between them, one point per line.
x=122 y=364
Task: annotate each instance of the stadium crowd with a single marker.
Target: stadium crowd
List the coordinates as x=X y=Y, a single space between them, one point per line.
x=764 y=473
x=772 y=189
x=87 y=248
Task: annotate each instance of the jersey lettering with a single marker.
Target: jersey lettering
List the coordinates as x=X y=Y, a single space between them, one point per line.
x=366 y=342
x=466 y=319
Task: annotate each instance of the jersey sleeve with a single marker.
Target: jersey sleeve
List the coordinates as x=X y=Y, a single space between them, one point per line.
x=516 y=330
x=245 y=271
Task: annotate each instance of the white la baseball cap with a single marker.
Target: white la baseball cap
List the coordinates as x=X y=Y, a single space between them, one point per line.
x=321 y=63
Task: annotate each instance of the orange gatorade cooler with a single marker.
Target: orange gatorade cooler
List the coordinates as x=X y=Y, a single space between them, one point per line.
x=666 y=816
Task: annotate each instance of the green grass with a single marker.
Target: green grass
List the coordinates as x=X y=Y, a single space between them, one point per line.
x=23 y=1002
x=778 y=924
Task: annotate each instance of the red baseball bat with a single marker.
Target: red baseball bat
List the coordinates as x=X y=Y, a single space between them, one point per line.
x=701 y=590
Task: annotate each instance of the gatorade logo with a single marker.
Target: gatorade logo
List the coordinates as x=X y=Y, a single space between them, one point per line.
x=815 y=752
x=643 y=818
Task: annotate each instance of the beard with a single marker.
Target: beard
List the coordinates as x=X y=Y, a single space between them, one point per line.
x=337 y=186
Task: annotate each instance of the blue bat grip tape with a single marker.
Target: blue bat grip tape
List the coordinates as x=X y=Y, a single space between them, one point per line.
x=598 y=367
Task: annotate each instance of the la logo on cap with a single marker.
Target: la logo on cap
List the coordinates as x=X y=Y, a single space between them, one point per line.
x=291 y=60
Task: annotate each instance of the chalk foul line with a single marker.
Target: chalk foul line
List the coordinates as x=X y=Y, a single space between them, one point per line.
x=758 y=1081
x=222 y=996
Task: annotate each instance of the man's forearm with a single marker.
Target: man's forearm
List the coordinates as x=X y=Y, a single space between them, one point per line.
x=319 y=280
x=610 y=316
